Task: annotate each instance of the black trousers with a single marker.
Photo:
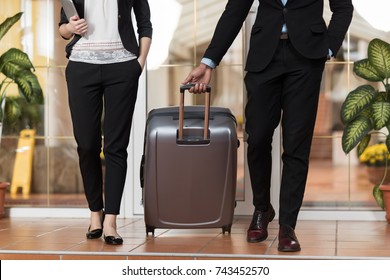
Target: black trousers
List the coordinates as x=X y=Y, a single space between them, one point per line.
x=287 y=91
x=93 y=88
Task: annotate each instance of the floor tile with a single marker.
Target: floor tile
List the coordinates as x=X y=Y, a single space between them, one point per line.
x=39 y=238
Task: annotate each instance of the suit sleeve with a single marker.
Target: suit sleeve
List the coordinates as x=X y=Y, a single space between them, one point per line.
x=63 y=18
x=142 y=14
x=227 y=28
x=342 y=11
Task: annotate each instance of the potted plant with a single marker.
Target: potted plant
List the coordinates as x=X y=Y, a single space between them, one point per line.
x=16 y=68
x=30 y=116
x=366 y=110
x=375 y=157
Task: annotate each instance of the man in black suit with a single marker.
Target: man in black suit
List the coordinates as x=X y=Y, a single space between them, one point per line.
x=289 y=45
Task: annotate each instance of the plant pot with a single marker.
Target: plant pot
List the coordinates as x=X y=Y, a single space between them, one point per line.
x=375 y=175
x=386 y=197
x=3 y=189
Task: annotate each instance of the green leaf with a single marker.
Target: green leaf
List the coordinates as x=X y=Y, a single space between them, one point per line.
x=378 y=195
x=363 y=144
x=383 y=96
x=16 y=65
x=379 y=57
x=8 y=23
x=354 y=132
x=29 y=86
x=12 y=110
x=381 y=114
x=365 y=70
x=356 y=101
x=13 y=61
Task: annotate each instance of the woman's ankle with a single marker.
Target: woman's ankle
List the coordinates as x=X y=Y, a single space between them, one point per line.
x=110 y=227
x=96 y=219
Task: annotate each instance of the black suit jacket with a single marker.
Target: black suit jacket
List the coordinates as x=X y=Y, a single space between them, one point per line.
x=125 y=24
x=307 y=29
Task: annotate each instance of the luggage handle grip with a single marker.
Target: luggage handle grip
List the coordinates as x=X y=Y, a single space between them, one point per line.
x=183 y=88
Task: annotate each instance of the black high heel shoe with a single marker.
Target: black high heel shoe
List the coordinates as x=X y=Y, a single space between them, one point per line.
x=96 y=233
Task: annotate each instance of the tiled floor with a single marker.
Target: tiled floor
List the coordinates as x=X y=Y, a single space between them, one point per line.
x=54 y=238
x=49 y=238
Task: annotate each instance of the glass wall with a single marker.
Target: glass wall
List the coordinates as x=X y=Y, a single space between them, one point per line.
x=55 y=177
x=181 y=35
x=336 y=180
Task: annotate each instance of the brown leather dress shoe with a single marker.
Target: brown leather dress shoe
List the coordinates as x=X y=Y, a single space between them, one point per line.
x=288 y=241
x=257 y=231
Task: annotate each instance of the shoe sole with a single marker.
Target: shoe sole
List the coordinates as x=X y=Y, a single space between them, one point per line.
x=93 y=237
x=116 y=241
x=256 y=240
x=289 y=250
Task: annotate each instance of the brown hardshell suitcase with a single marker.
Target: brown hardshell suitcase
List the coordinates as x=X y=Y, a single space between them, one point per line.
x=189 y=167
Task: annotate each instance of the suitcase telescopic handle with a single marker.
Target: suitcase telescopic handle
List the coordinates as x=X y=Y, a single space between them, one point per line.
x=183 y=88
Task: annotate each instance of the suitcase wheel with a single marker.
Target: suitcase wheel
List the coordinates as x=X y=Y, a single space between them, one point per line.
x=227 y=228
x=149 y=229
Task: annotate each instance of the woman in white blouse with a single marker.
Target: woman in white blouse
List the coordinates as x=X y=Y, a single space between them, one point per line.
x=105 y=62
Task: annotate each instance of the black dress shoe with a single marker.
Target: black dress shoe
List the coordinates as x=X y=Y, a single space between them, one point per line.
x=113 y=240
x=288 y=241
x=93 y=234
x=258 y=229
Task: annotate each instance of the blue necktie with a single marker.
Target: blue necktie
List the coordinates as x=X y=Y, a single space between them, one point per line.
x=284 y=28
